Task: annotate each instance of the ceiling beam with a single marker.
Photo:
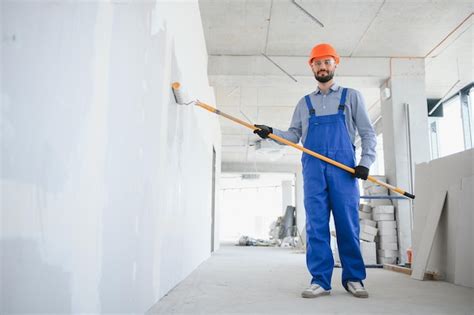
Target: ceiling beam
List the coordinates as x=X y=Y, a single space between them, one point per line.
x=308 y=82
x=258 y=65
x=260 y=167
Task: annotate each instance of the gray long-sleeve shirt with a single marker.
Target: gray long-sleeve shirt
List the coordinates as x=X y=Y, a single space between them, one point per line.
x=357 y=119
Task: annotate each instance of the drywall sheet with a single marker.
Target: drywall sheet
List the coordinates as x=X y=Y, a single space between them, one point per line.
x=427 y=236
x=464 y=256
x=444 y=175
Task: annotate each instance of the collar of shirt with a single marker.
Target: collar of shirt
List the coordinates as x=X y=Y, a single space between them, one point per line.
x=333 y=87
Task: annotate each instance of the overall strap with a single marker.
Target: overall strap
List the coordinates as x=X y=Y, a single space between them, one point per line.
x=309 y=105
x=342 y=103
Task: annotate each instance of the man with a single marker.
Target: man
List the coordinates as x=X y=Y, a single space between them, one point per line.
x=326 y=121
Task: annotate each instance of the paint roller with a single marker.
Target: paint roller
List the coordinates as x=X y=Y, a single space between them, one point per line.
x=179 y=97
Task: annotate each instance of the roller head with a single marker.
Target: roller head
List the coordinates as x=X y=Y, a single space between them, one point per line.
x=178 y=93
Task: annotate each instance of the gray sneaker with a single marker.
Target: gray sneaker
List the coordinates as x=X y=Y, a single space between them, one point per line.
x=315 y=290
x=357 y=289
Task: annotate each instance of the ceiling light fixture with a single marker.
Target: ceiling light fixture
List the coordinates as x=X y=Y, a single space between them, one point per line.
x=270 y=149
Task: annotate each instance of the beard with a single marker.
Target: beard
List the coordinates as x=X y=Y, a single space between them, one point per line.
x=325 y=78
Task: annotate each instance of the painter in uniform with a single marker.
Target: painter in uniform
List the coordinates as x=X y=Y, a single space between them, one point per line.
x=327 y=121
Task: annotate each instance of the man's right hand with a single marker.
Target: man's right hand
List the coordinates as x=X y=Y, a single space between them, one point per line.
x=263 y=131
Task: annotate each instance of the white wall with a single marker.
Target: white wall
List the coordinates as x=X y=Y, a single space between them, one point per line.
x=105 y=182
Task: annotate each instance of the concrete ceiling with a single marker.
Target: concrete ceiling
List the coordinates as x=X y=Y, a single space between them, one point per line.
x=366 y=33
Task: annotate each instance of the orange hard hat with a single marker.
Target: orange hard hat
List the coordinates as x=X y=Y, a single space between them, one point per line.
x=323 y=50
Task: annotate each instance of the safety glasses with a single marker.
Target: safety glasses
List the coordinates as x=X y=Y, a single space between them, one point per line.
x=326 y=62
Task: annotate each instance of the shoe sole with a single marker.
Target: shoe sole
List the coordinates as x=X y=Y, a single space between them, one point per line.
x=360 y=295
x=310 y=295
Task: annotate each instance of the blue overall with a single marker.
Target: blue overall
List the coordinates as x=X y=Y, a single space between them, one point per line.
x=328 y=187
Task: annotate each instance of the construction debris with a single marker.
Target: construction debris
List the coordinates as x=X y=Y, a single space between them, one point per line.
x=249 y=241
x=283 y=232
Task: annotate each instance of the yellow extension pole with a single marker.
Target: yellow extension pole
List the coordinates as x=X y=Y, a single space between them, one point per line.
x=296 y=146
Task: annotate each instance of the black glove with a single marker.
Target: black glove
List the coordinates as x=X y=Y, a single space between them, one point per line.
x=263 y=131
x=361 y=172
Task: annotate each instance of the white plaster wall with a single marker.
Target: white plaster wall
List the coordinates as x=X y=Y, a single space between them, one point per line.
x=105 y=182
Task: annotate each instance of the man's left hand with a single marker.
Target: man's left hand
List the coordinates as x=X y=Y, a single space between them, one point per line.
x=361 y=172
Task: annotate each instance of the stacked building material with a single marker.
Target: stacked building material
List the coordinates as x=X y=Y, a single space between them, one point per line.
x=387 y=245
x=383 y=214
x=368 y=229
x=367 y=234
x=368 y=250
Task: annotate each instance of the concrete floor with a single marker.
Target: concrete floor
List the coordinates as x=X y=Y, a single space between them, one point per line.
x=259 y=280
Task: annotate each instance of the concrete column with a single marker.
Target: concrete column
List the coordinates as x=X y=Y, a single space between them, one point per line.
x=406 y=143
x=286 y=194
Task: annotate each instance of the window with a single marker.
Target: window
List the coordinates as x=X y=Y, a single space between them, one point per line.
x=454 y=132
x=450 y=128
x=434 y=140
x=470 y=105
